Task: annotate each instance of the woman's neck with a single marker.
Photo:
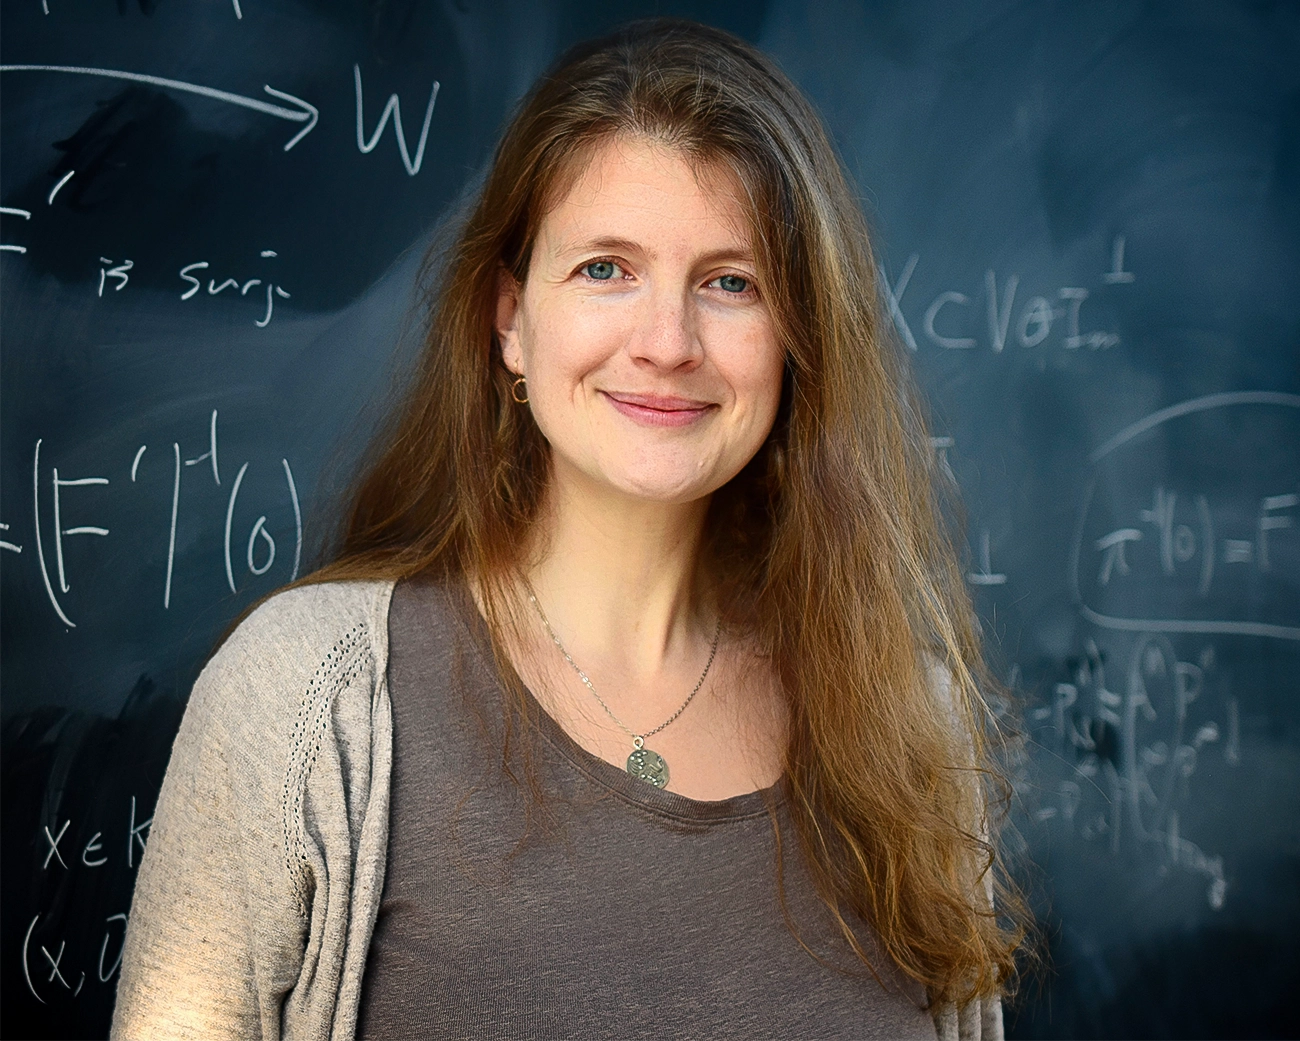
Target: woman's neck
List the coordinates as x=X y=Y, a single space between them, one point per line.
x=618 y=577
x=621 y=584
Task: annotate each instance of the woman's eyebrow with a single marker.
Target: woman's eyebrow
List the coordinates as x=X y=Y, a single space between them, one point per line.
x=603 y=244
x=615 y=244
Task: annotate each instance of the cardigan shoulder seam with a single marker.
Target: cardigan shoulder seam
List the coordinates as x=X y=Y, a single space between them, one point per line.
x=341 y=665
x=354 y=616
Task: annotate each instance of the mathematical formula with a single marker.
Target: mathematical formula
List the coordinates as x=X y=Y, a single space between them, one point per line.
x=52 y=971
x=951 y=316
x=299 y=111
x=1203 y=553
x=58 y=515
x=1135 y=746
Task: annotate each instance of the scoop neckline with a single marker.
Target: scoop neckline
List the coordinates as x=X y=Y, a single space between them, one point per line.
x=619 y=783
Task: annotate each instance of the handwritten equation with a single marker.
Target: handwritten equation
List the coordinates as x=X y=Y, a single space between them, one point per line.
x=1211 y=548
x=58 y=515
x=1135 y=747
x=951 y=317
x=53 y=971
x=293 y=109
x=1181 y=534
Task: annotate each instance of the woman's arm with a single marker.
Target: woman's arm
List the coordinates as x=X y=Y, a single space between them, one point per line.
x=260 y=881
x=212 y=865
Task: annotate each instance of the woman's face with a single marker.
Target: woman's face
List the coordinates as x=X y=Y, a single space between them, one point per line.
x=651 y=359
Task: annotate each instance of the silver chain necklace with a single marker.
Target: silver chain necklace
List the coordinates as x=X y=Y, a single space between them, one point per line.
x=643 y=764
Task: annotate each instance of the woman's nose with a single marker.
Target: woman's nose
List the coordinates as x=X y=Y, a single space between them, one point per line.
x=667 y=336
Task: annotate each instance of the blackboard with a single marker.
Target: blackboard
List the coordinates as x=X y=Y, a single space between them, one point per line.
x=1088 y=218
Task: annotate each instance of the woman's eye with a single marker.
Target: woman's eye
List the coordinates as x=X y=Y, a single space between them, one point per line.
x=732 y=283
x=601 y=270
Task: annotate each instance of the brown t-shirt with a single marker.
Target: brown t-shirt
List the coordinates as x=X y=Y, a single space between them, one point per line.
x=632 y=913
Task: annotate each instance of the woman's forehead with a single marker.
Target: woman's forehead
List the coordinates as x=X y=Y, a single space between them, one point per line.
x=636 y=187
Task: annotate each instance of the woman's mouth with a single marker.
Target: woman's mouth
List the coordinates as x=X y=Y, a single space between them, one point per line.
x=659 y=410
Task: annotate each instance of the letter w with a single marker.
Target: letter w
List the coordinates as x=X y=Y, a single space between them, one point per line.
x=394 y=109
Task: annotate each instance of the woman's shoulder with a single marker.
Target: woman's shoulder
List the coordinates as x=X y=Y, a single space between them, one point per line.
x=305 y=615
x=308 y=640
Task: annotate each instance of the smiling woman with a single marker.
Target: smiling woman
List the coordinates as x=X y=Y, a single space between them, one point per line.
x=646 y=580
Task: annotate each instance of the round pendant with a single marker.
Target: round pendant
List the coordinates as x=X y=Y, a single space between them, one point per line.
x=648 y=766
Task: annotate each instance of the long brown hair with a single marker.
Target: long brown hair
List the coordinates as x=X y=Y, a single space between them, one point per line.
x=828 y=548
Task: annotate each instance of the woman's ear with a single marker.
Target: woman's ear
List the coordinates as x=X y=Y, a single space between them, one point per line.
x=508 y=291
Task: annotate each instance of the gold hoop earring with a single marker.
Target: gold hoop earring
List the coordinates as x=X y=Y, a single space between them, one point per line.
x=514 y=392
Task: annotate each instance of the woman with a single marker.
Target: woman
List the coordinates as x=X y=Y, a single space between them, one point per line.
x=640 y=697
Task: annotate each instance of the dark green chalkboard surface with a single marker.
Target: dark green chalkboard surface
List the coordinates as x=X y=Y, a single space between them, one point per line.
x=1088 y=214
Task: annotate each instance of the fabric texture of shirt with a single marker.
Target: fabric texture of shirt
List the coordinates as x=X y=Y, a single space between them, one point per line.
x=259 y=888
x=637 y=913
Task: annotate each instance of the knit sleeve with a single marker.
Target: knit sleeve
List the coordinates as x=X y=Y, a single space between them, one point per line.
x=211 y=866
x=260 y=878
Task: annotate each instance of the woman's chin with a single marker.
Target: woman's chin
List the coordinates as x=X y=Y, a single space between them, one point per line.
x=667 y=488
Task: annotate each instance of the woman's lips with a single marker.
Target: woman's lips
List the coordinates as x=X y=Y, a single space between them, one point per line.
x=656 y=411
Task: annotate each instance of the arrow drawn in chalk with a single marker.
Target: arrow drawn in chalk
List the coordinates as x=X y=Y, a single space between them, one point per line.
x=304 y=113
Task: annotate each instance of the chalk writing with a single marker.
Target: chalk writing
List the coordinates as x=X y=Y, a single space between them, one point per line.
x=50 y=968
x=54 y=841
x=941 y=445
x=58 y=186
x=242 y=287
x=104 y=968
x=259 y=531
x=1117 y=275
x=1135 y=747
x=14 y=211
x=59 y=531
x=119 y=272
x=261 y=545
x=946 y=320
x=1180 y=543
x=985 y=576
x=393 y=110
x=302 y=112
x=1160 y=557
